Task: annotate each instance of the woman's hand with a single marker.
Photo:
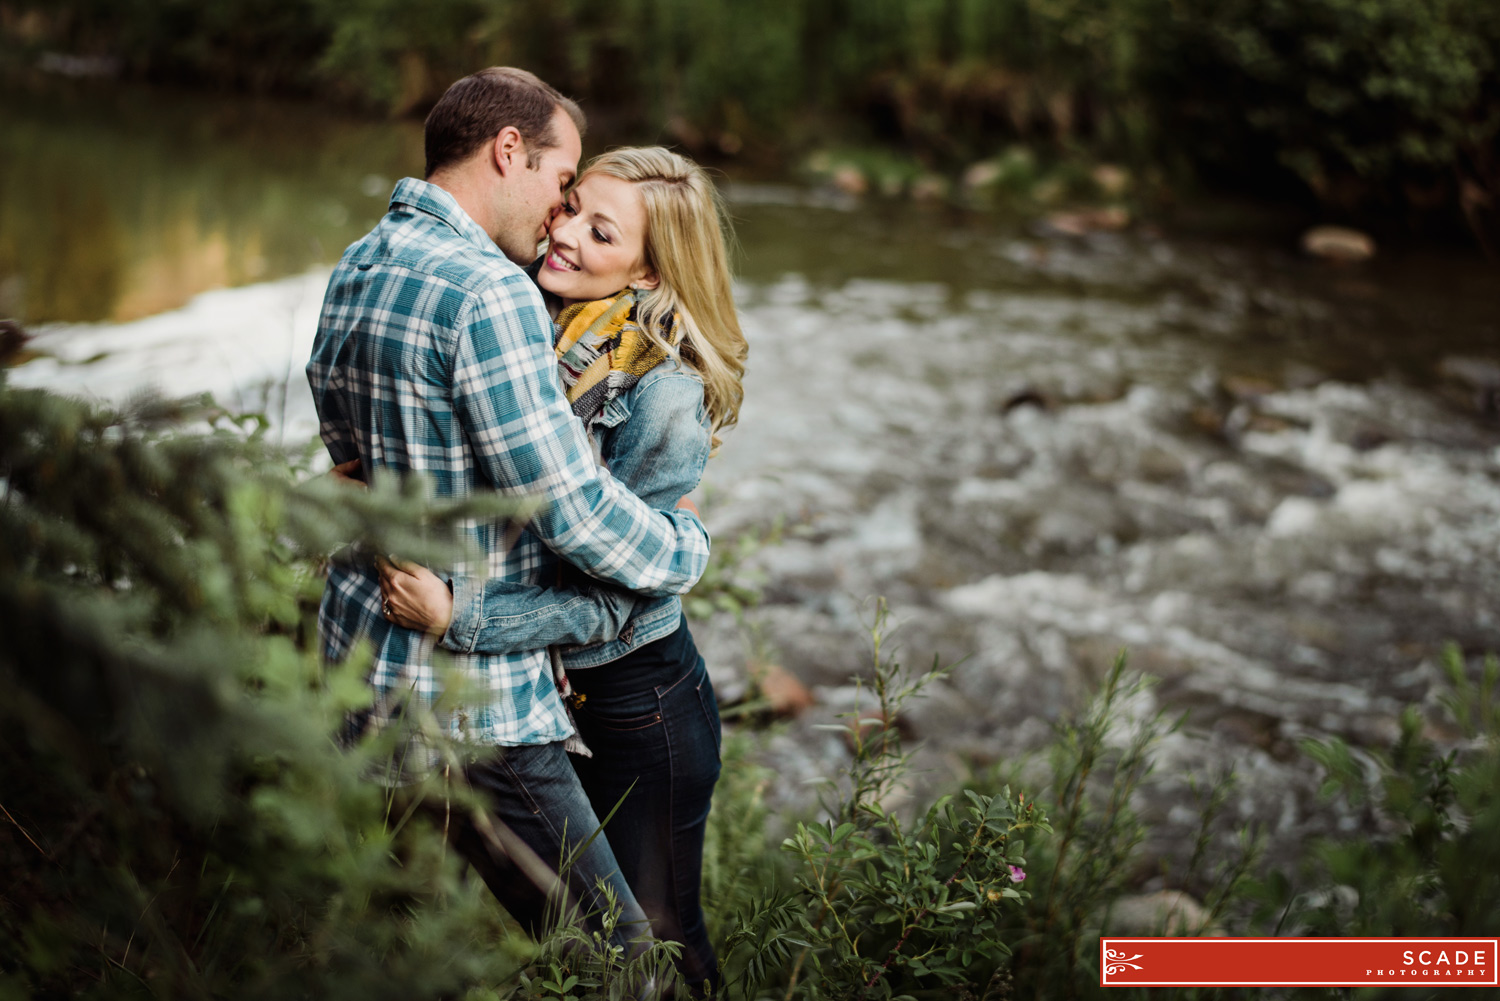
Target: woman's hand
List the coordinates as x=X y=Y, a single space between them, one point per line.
x=414 y=597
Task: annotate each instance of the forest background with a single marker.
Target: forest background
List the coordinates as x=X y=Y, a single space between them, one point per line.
x=1385 y=112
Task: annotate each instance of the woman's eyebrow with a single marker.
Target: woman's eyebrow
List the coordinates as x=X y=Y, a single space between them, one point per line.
x=597 y=216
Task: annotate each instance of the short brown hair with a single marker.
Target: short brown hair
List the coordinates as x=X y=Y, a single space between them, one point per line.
x=474 y=110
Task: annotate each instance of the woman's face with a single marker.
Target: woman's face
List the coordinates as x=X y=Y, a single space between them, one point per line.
x=598 y=241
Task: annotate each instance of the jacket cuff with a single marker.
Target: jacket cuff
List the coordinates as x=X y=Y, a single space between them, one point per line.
x=468 y=614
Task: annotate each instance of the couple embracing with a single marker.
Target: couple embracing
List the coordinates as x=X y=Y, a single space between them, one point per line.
x=597 y=378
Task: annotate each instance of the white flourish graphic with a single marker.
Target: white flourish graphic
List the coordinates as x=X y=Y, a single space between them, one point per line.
x=1115 y=961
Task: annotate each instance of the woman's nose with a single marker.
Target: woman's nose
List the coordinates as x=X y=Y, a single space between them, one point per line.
x=560 y=228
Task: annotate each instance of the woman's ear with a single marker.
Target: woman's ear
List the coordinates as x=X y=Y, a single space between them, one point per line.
x=647 y=282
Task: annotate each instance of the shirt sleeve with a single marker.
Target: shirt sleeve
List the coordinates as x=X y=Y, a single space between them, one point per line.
x=527 y=441
x=325 y=377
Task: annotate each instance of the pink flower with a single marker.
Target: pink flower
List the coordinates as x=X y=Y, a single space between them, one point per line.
x=1017 y=874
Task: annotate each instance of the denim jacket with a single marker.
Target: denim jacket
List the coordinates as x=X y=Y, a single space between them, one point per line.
x=655 y=440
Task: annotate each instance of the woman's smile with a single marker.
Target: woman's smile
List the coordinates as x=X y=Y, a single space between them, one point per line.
x=557 y=262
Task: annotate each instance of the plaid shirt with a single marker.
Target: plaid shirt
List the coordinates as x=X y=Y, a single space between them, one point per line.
x=434 y=355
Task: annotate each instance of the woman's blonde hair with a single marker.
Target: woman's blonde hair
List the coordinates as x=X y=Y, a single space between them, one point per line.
x=687 y=236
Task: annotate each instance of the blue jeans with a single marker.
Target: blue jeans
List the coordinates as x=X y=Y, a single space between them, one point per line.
x=652 y=721
x=535 y=792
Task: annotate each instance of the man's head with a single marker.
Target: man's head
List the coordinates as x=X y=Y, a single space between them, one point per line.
x=505 y=145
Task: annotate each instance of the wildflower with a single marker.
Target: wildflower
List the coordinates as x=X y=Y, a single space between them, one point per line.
x=1017 y=874
x=993 y=896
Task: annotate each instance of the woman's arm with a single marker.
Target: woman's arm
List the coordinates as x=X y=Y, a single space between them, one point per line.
x=520 y=616
x=659 y=453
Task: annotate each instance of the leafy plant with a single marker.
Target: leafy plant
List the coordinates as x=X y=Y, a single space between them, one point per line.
x=879 y=906
x=1434 y=871
x=1096 y=766
x=184 y=823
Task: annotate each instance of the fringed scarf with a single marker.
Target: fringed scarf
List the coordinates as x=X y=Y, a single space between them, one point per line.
x=602 y=351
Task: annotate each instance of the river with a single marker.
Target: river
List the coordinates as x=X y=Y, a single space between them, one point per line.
x=1274 y=481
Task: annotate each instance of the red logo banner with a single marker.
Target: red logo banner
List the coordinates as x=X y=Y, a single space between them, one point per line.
x=1431 y=962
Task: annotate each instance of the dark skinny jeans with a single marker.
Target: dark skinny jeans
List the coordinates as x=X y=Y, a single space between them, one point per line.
x=652 y=721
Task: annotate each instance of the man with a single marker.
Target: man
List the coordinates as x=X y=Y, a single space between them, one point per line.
x=434 y=356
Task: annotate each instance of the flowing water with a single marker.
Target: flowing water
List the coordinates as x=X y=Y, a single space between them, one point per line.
x=1274 y=481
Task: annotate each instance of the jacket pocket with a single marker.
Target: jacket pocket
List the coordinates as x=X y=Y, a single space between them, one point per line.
x=615 y=413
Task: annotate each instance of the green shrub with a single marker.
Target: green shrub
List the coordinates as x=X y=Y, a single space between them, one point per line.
x=1359 y=98
x=188 y=826
x=1436 y=872
x=184 y=823
x=880 y=900
x=1096 y=765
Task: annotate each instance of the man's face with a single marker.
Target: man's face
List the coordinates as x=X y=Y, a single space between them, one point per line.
x=538 y=191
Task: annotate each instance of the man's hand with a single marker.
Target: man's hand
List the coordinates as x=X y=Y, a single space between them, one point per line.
x=348 y=472
x=688 y=505
x=414 y=597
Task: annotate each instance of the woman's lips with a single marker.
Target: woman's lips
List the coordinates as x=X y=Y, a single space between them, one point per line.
x=557 y=262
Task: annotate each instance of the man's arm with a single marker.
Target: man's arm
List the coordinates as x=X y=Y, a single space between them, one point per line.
x=659 y=453
x=526 y=440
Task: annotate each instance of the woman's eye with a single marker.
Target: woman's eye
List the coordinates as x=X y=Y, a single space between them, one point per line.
x=569 y=208
x=599 y=236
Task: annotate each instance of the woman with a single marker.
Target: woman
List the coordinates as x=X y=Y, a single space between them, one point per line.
x=651 y=355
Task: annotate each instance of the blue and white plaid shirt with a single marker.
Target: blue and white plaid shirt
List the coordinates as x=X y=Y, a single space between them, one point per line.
x=434 y=355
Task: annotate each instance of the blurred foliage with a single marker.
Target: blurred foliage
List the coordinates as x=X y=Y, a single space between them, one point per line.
x=187 y=825
x=731 y=583
x=179 y=819
x=1436 y=871
x=1367 y=102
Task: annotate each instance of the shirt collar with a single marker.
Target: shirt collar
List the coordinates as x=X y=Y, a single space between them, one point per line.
x=422 y=196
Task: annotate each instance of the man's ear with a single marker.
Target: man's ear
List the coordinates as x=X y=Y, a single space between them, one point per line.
x=508 y=150
x=646 y=282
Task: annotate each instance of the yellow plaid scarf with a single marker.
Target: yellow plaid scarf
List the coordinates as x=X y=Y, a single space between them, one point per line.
x=602 y=351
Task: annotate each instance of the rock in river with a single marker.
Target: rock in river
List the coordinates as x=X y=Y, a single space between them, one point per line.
x=1338 y=243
